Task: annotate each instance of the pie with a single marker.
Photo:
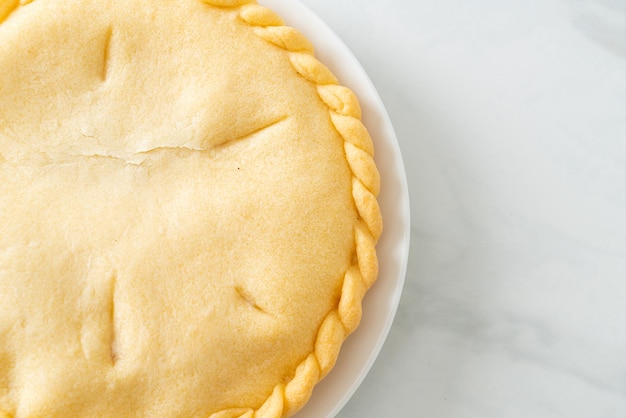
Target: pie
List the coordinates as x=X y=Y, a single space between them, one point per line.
x=188 y=212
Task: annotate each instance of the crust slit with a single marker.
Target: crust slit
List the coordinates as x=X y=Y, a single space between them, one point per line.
x=112 y=336
x=249 y=299
x=254 y=132
x=106 y=55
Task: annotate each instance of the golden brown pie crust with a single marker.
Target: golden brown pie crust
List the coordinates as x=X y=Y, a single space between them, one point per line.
x=119 y=212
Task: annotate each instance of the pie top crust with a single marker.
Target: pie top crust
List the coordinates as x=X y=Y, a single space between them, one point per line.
x=188 y=212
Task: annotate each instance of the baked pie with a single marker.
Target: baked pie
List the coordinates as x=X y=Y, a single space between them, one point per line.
x=188 y=212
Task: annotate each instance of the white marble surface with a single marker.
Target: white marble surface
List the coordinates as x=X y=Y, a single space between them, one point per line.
x=511 y=117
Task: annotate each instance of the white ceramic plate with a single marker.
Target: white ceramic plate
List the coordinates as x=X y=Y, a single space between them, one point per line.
x=379 y=306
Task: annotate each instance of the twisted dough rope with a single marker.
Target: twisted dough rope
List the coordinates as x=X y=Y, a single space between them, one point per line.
x=345 y=115
x=6 y=7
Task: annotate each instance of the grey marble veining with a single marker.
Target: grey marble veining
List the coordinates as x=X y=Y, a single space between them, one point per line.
x=511 y=117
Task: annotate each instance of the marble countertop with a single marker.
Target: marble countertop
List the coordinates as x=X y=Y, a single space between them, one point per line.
x=511 y=117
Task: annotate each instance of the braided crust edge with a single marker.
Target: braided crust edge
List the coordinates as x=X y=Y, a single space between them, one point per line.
x=6 y=7
x=345 y=115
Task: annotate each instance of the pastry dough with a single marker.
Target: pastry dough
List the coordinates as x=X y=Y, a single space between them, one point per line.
x=188 y=210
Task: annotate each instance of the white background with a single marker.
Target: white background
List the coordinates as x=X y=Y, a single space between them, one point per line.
x=511 y=117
